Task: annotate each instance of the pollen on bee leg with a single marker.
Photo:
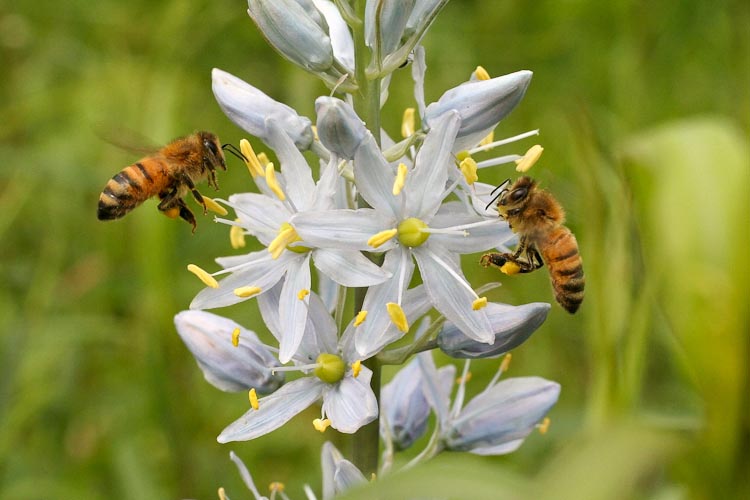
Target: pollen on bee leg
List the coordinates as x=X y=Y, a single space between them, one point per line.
x=213 y=206
x=398 y=182
x=236 y=236
x=253 y=397
x=356 y=368
x=529 y=159
x=377 y=240
x=479 y=303
x=253 y=165
x=172 y=213
x=246 y=291
x=544 y=425
x=236 y=337
x=398 y=317
x=360 y=318
x=510 y=268
x=202 y=275
x=321 y=424
x=407 y=123
x=468 y=168
x=273 y=184
x=303 y=293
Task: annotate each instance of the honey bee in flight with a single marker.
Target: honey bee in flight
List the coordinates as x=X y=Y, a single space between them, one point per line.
x=538 y=218
x=169 y=174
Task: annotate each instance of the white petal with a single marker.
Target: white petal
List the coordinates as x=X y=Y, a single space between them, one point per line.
x=341 y=37
x=342 y=229
x=261 y=273
x=491 y=233
x=350 y=404
x=321 y=334
x=376 y=331
x=425 y=183
x=268 y=304
x=450 y=297
x=501 y=449
x=293 y=165
x=325 y=190
x=347 y=476
x=274 y=410
x=374 y=177
x=292 y=310
x=418 y=70
x=349 y=267
x=259 y=213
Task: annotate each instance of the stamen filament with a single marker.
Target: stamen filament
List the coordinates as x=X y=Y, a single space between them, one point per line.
x=204 y=276
x=500 y=160
x=458 y=401
x=444 y=230
x=502 y=142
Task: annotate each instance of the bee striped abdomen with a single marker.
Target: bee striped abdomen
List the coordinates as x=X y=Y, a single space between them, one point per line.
x=129 y=188
x=561 y=255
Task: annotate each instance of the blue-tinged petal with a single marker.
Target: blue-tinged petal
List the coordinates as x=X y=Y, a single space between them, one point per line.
x=248 y=108
x=405 y=406
x=375 y=332
x=274 y=410
x=500 y=449
x=505 y=412
x=229 y=368
x=329 y=457
x=325 y=190
x=347 y=476
x=349 y=267
x=293 y=166
x=434 y=387
x=292 y=310
x=374 y=177
x=450 y=292
x=259 y=272
x=340 y=130
x=325 y=330
x=342 y=229
x=425 y=183
x=512 y=325
x=351 y=403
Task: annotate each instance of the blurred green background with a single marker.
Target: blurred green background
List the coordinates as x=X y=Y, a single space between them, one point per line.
x=644 y=113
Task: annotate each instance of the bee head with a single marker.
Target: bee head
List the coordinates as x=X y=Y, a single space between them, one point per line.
x=511 y=200
x=213 y=156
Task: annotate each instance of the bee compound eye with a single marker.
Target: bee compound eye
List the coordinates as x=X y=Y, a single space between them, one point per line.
x=519 y=194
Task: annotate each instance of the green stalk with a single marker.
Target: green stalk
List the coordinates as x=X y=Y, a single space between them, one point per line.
x=365 y=443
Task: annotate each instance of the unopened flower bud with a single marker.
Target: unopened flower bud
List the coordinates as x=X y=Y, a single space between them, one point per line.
x=339 y=128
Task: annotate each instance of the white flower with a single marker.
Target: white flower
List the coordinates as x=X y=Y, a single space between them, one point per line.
x=411 y=223
x=334 y=374
x=267 y=217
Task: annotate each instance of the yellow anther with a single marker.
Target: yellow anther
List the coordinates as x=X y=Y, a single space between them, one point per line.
x=236 y=337
x=276 y=487
x=383 y=236
x=469 y=168
x=373 y=476
x=286 y=235
x=397 y=316
x=202 y=275
x=464 y=379
x=544 y=426
x=273 y=184
x=398 y=183
x=505 y=364
x=407 y=123
x=303 y=293
x=247 y=291
x=528 y=160
x=321 y=424
x=510 y=268
x=481 y=73
x=263 y=159
x=488 y=139
x=253 y=165
x=237 y=236
x=479 y=303
x=356 y=368
x=213 y=206
x=315 y=132
x=360 y=318
x=253 y=397
x=222 y=494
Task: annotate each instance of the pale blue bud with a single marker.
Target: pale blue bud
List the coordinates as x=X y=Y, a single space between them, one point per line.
x=498 y=419
x=405 y=406
x=292 y=31
x=340 y=130
x=248 y=108
x=481 y=105
x=247 y=366
x=512 y=325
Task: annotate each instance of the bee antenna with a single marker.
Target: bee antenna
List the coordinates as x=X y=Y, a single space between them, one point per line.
x=498 y=195
x=231 y=148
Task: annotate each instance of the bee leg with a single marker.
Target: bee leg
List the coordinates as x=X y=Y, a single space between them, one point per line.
x=187 y=214
x=196 y=194
x=533 y=258
x=495 y=259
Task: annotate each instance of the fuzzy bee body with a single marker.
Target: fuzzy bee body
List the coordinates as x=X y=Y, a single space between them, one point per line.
x=539 y=220
x=170 y=174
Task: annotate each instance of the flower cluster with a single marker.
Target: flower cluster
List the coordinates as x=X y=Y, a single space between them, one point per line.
x=375 y=214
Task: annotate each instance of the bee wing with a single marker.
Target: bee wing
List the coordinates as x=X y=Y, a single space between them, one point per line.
x=126 y=139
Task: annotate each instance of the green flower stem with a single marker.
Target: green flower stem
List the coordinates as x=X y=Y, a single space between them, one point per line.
x=365 y=443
